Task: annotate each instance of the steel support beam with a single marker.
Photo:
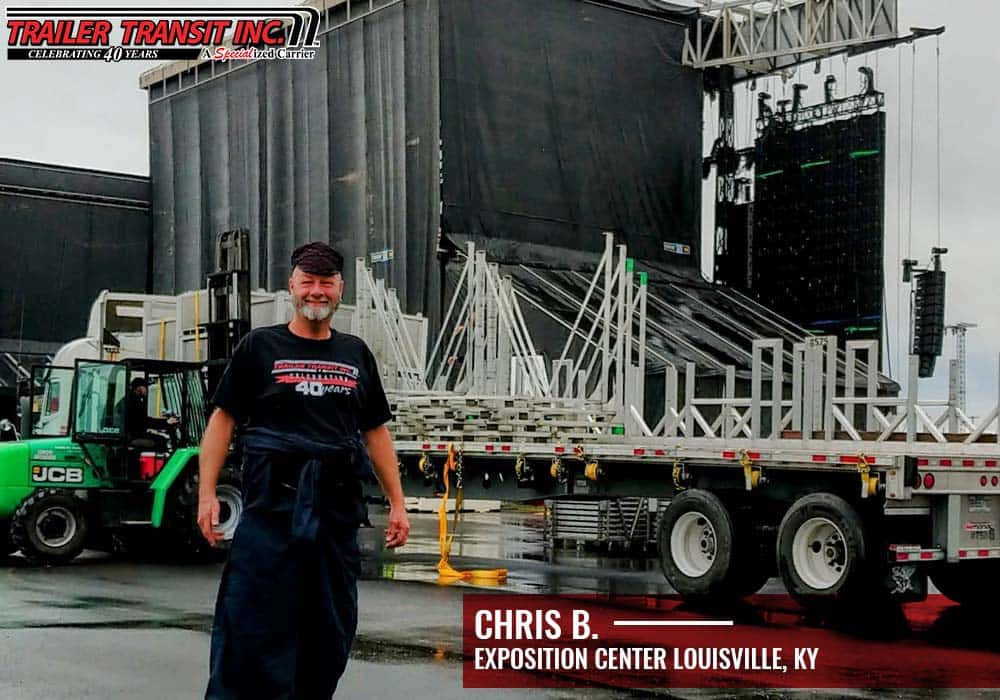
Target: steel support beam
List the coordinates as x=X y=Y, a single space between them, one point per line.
x=762 y=36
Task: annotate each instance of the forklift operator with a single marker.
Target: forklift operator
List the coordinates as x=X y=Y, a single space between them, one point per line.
x=136 y=419
x=312 y=417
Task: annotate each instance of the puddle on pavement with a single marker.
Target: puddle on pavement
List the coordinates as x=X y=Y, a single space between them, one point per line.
x=513 y=539
x=381 y=651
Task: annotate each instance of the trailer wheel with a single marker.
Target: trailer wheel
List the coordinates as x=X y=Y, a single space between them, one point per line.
x=970 y=583
x=181 y=520
x=50 y=526
x=822 y=554
x=695 y=540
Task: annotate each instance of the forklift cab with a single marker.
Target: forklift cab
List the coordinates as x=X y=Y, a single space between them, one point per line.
x=136 y=413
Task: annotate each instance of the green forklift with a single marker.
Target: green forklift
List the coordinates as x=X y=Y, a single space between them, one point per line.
x=114 y=465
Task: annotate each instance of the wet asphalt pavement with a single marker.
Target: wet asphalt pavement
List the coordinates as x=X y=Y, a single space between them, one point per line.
x=107 y=627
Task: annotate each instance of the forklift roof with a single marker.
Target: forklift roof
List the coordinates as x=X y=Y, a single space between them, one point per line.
x=160 y=366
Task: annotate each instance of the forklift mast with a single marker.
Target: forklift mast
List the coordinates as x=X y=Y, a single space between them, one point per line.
x=229 y=301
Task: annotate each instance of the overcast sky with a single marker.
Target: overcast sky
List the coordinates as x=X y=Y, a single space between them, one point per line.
x=94 y=115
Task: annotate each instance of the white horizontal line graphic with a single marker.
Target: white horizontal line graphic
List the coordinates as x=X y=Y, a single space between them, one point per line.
x=673 y=623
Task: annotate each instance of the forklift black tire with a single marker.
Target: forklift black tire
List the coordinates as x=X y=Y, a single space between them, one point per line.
x=823 y=555
x=695 y=540
x=181 y=519
x=968 y=583
x=50 y=526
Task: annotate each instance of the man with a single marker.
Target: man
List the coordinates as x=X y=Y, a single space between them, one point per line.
x=136 y=419
x=304 y=396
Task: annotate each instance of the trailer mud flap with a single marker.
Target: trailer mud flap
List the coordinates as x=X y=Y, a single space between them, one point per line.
x=911 y=476
x=906 y=583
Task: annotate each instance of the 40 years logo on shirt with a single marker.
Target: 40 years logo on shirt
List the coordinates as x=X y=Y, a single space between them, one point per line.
x=316 y=377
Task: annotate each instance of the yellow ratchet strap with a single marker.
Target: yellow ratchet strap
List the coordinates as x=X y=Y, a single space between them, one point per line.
x=447 y=574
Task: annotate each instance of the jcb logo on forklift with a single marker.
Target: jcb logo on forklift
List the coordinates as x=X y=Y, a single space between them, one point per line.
x=67 y=475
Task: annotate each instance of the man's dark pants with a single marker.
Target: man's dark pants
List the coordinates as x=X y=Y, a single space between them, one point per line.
x=286 y=613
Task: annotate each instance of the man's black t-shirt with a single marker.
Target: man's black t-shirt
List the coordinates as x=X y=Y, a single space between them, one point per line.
x=323 y=390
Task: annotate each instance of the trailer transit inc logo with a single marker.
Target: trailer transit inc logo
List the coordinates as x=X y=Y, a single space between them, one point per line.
x=161 y=34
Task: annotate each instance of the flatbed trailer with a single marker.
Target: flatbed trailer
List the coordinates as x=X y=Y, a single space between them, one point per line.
x=814 y=474
x=893 y=510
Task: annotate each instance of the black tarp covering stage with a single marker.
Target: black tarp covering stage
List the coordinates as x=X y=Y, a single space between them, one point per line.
x=564 y=119
x=530 y=122
x=341 y=148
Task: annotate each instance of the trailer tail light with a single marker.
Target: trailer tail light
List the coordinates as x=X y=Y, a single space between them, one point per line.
x=922 y=462
x=944 y=462
x=928 y=481
x=994 y=481
x=150 y=464
x=982 y=481
x=968 y=462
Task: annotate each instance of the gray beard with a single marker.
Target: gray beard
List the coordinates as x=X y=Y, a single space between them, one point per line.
x=316 y=313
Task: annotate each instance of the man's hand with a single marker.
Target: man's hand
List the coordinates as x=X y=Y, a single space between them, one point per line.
x=398 y=531
x=208 y=518
x=211 y=457
x=387 y=470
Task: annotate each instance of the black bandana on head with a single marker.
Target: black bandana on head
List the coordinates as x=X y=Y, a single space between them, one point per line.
x=317 y=259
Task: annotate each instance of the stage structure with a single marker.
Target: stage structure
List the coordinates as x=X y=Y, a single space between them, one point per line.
x=810 y=243
x=528 y=127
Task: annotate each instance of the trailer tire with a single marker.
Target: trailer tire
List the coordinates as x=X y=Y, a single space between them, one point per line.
x=970 y=583
x=695 y=541
x=823 y=556
x=181 y=518
x=50 y=526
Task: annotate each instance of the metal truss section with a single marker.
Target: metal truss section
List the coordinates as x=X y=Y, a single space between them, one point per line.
x=825 y=111
x=379 y=319
x=762 y=36
x=595 y=395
